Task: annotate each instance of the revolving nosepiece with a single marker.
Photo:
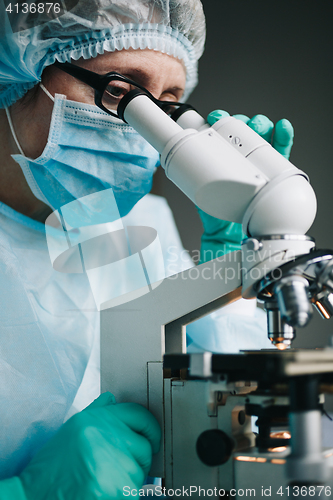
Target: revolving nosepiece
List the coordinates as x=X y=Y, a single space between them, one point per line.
x=293 y=300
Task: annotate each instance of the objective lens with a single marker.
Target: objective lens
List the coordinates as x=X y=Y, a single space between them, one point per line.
x=279 y=333
x=292 y=297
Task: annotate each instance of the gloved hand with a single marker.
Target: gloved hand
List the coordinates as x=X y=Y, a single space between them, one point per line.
x=221 y=237
x=93 y=456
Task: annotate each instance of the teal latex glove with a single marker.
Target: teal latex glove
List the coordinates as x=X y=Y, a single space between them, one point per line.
x=93 y=456
x=281 y=137
x=221 y=237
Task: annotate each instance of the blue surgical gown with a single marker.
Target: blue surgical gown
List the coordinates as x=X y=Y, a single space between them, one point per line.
x=49 y=343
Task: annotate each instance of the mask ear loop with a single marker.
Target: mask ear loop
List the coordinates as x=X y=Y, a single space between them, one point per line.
x=11 y=126
x=46 y=92
x=13 y=132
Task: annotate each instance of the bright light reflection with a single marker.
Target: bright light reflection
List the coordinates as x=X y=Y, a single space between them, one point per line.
x=251 y=459
x=280 y=435
x=281 y=346
x=322 y=310
x=278 y=449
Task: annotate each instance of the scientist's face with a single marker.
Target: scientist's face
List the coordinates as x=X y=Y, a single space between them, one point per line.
x=163 y=75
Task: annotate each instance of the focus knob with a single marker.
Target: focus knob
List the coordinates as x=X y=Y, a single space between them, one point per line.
x=214 y=447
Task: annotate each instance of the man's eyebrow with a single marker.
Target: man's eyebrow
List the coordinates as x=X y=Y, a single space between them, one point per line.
x=143 y=77
x=137 y=72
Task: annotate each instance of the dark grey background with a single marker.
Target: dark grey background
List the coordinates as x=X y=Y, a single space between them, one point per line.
x=273 y=58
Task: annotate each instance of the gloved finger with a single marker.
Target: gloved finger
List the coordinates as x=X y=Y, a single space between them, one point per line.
x=263 y=126
x=215 y=116
x=140 y=420
x=140 y=449
x=103 y=400
x=283 y=137
x=243 y=118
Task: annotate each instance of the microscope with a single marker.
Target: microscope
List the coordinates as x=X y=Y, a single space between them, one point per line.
x=205 y=402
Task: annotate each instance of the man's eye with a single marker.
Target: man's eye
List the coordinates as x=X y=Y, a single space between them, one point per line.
x=113 y=94
x=168 y=98
x=116 y=91
x=174 y=95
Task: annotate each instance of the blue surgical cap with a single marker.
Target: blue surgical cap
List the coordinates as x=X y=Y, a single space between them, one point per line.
x=31 y=41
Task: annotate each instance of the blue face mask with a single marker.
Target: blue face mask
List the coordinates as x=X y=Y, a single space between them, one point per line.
x=88 y=151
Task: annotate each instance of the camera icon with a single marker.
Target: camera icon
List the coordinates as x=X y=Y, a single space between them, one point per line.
x=121 y=262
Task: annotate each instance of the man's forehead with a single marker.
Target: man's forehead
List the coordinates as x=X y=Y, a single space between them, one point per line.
x=141 y=64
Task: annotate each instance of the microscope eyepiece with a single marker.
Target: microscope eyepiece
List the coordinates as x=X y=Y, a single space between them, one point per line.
x=126 y=100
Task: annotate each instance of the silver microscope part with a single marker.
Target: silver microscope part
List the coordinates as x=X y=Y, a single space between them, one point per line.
x=299 y=284
x=323 y=303
x=279 y=332
x=324 y=274
x=323 y=298
x=308 y=265
x=306 y=461
x=293 y=300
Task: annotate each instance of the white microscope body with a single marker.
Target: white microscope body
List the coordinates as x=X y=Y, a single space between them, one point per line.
x=223 y=168
x=231 y=173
